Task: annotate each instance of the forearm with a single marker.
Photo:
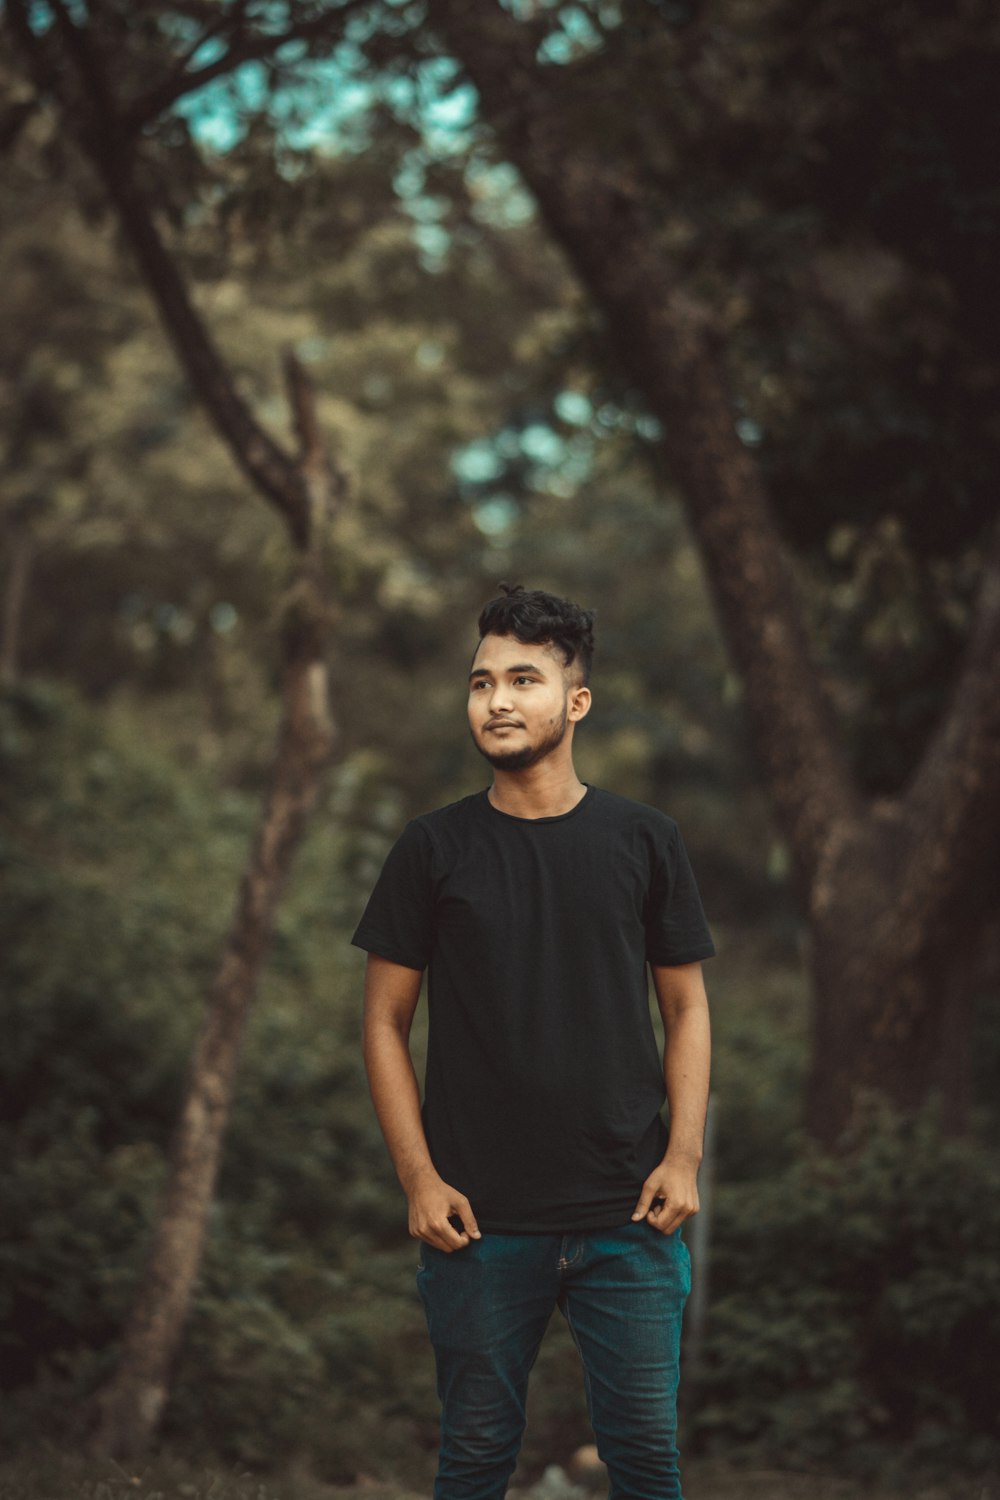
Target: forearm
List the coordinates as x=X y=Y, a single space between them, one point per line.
x=438 y=1213
x=686 y=1065
x=396 y=1097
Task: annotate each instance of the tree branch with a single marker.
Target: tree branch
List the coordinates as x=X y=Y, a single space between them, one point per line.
x=235 y=18
x=302 y=400
x=102 y=116
x=327 y=484
x=260 y=457
x=179 y=81
x=36 y=50
x=952 y=795
x=13 y=120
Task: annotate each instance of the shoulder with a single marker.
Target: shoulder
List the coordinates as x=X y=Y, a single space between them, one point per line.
x=637 y=817
x=445 y=822
x=424 y=846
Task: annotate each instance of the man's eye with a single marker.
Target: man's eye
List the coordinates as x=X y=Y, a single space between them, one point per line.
x=524 y=679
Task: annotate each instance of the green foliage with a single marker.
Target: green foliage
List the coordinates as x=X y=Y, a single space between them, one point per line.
x=856 y=1305
x=75 y=1218
x=105 y=936
x=112 y=914
x=291 y=1354
x=760 y=1019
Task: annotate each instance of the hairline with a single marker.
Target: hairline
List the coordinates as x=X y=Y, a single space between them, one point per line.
x=572 y=668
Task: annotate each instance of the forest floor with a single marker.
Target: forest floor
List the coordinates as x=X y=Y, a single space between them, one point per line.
x=56 y=1477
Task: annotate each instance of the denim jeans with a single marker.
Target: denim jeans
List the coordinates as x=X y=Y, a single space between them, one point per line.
x=622 y=1292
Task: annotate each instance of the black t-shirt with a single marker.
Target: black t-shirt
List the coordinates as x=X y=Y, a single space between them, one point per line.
x=544 y=1084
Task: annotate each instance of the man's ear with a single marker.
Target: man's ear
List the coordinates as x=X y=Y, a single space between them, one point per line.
x=578 y=706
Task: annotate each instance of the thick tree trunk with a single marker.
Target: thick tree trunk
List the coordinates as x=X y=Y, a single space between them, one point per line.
x=881 y=1029
x=891 y=990
x=128 y=1410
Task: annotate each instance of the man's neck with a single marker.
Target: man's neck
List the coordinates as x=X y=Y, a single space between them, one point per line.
x=541 y=791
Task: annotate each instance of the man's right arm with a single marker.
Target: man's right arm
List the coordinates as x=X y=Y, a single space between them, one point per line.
x=391 y=994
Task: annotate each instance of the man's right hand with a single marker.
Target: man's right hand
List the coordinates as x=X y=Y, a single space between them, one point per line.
x=391 y=993
x=432 y=1203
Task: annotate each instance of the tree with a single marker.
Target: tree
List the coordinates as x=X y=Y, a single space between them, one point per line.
x=304 y=489
x=894 y=887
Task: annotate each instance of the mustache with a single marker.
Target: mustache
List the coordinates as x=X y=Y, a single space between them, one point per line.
x=496 y=723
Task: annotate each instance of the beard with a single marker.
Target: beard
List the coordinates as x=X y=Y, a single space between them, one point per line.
x=528 y=755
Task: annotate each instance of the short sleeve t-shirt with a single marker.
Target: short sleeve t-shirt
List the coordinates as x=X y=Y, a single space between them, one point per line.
x=544 y=1084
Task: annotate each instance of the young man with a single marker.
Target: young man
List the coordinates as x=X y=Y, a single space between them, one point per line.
x=539 y=1172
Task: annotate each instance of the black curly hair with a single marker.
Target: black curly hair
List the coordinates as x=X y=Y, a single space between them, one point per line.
x=532 y=615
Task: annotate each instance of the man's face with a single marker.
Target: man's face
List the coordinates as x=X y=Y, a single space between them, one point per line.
x=520 y=701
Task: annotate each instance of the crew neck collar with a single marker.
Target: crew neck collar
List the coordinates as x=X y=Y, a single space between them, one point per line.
x=553 y=818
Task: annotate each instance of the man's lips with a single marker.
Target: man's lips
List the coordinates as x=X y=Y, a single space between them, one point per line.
x=503 y=724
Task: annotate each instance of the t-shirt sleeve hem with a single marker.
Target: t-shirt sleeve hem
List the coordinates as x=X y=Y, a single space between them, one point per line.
x=686 y=956
x=372 y=943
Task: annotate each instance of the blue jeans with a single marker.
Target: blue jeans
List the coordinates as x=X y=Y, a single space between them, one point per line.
x=622 y=1292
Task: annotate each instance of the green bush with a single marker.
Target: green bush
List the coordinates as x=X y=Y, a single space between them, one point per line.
x=856 y=1304
x=288 y=1353
x=75 y=1219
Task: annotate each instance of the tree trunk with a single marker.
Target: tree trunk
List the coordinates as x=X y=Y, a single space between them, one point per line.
x=891 y=992
x=880 y=1028
x=22 y=554
x=128 y=1410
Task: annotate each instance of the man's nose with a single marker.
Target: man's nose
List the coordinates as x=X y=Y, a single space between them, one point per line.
x=500 y=698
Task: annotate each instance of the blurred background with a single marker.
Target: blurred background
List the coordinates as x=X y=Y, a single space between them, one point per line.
x=452 y=219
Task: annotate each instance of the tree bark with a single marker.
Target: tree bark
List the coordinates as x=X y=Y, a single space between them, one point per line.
x=894 y=890
x=21 y=557
x=892 y=992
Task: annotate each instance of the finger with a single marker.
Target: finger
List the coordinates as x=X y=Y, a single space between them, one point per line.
x=463 y=1211
x=437 y=1239
x=440 y=1235
x=671 y=1217
x=452 y=1238
x=645 y=1200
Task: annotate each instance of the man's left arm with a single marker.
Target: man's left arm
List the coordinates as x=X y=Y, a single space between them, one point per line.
x=680 y=992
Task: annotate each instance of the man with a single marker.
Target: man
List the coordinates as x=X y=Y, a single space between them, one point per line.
x=539 y=1172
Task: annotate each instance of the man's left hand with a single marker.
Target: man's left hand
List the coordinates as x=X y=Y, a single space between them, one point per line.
x=669 y=1196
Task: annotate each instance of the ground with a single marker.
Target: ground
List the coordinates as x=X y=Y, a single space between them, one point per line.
x=56 y=1477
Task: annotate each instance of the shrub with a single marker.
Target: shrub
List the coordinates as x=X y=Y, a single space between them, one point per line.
x=856 y=1304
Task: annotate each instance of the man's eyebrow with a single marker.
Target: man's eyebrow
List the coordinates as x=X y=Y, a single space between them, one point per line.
x=524 y=666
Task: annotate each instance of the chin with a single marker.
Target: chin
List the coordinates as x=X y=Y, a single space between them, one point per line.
x=527 y=755
x=504 y=760
x=512 y=760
